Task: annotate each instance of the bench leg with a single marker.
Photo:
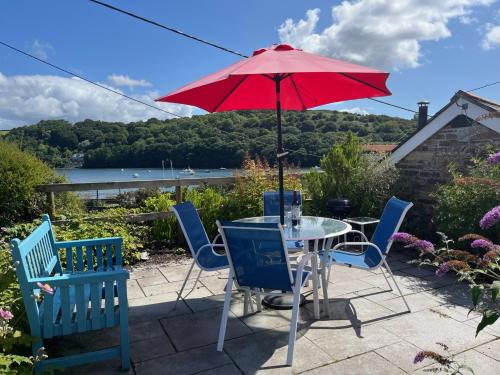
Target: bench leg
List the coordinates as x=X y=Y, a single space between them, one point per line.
x=124 y=340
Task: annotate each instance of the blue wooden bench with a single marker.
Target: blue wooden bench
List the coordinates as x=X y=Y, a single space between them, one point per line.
x=90 y=293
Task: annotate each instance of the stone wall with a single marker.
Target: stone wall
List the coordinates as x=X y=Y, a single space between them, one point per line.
x=428 y=165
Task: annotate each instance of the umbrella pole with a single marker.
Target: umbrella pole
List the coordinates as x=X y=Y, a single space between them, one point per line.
x=281 y=151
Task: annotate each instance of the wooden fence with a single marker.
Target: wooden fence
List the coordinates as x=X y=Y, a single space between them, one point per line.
x=51 y=189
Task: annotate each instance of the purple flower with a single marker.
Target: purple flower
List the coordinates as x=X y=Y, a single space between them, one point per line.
x=494 y=159
x=422 y=245
x=403 y=237
x=481 y=244
x=419 y=357
x=442 y=270
x=490 y=218
x=6 y=314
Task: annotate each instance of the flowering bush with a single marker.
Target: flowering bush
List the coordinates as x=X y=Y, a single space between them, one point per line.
x=445 y=363
x=480 y=266
x=461 y=203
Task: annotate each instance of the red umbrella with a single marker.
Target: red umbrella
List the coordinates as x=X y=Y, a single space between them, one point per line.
x=281 y=77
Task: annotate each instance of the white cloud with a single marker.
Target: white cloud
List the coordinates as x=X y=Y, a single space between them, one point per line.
x=356 y=110
x=491 y=38
x=41 y=49
x=28 y=99
x=380 y=33
x=121 y=80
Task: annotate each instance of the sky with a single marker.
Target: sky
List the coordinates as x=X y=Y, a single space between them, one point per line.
x=430 y=48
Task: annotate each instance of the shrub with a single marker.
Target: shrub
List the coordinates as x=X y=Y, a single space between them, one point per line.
x=211 y=205
x=164 y=229
x=245 y=199
x=367 y=181
x=461 y=203
x=20 y=173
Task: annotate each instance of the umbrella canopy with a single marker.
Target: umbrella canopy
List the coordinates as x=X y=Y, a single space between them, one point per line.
x=281 y=77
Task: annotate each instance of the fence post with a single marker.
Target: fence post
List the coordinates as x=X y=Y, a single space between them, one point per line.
x=51 y=205
x=178 y=199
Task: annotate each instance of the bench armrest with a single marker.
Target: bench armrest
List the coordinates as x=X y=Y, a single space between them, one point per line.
x=88 y=277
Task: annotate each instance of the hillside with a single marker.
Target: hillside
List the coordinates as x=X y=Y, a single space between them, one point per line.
x=206 y=141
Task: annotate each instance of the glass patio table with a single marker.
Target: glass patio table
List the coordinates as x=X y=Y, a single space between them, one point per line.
x=312 y=229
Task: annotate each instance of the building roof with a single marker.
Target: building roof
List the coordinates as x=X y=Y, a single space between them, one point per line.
x=472 y=106
x=379 y=147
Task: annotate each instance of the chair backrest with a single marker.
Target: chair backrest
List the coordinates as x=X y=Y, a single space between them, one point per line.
x=272 y=201
x=193 y=230
x=35 y=256
x=257 y=254
x=394 y=212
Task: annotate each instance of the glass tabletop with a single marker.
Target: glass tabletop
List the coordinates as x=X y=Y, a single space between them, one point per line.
x=310 y=228
x=363 y=220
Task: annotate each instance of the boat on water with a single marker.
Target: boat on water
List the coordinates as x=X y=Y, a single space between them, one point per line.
x=222 y=168
x=188 y=170
x=135 y=175
x=207 y=171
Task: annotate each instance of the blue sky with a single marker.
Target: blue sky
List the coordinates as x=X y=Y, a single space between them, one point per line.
x=431 y=48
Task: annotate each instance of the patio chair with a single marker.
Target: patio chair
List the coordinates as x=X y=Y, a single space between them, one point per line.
x=272 y=208
x=202 y=250
x=374 y=253
x=259 y=263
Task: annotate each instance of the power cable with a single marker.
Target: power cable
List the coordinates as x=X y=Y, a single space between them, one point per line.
x=218 y=46
x=168 y=28
x=86 y=79
x=482 y=87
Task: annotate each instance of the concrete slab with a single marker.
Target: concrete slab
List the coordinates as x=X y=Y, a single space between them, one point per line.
x=150 y=348
x=156 y=307
x=401 y=354
x=491 y=349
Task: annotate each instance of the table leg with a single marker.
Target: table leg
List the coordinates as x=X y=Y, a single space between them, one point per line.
x=314 y=264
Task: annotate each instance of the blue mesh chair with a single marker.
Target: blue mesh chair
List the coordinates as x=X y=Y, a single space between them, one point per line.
x=200 y=246
x=376 y=250
x=259 y=264
x=272 y=208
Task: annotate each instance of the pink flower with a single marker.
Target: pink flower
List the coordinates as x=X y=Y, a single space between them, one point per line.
x=6 y=314
x=494 y=159
x=403 y=237
x=46 y=288
x=442 y=270
x=481 y=244
x=422 y=245
x=419 y=357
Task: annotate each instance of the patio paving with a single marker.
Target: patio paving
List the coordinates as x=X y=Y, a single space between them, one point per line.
x=368 y=331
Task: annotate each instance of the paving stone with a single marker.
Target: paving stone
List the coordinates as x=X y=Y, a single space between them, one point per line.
x=109 y=367
x=139 y=273
x=223 y=370
x=417 y=302
x=408 y=284
x=184 y=363
x=457 y=294
x=167 y=287
x=265 y=353
x=178 y=273
x=341 y=288
x=156 y=307
x=150 y=348
x=145 y=330
x=457 y=312
x=377 y=294
x=425 y=328
x=345 y=343
x=369 y=363
x=491 y=349
x=216 y=283
x=201 y=328
x=419 y=271
x=401 y=354
x=134 y=290
x=493 y=329
x=202 y=299
x=153 y=280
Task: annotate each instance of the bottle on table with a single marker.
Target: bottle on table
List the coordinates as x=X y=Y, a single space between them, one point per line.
x=295 y=209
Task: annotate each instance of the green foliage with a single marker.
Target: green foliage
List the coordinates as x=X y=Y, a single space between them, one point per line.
x=245 y=199
x=164 y=229
x=366 y=180
x=207 y=141
x=20 y=173
x=133 y=235
x=211 y=204
x=462 y=202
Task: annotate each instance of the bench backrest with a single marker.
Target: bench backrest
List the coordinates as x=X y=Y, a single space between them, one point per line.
x=35 y=256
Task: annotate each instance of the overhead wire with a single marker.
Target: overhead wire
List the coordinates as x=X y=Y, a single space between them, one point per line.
x=484 y=86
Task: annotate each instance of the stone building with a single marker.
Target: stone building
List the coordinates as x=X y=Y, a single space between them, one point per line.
x=464 y=128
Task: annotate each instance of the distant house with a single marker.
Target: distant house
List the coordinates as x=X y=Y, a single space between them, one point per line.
x=379 y=148
x=463 y=128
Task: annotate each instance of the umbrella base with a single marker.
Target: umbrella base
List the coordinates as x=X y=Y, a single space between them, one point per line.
x=283 y=302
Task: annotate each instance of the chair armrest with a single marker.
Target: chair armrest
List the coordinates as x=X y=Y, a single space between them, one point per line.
x=80 y=278
x=211 y=245
x=363 y=236
x=89 y=242
x=357 y=244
